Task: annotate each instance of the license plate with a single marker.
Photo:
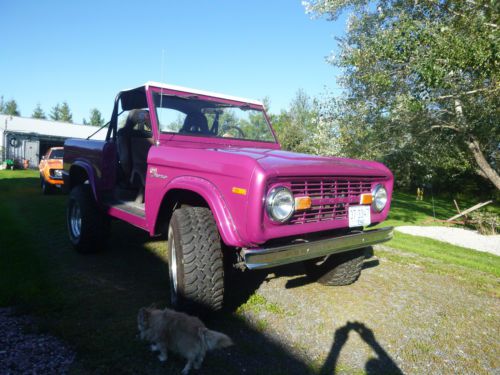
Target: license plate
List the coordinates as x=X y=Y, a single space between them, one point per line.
x=359 y=216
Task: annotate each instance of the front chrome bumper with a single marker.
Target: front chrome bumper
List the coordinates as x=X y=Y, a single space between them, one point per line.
x=297 y=252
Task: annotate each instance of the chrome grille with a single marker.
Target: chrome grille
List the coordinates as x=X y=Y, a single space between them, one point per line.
x=331 y=196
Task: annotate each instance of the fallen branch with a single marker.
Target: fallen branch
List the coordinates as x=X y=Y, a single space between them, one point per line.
x=473 y=208
x=433 y=220
x=456 y=205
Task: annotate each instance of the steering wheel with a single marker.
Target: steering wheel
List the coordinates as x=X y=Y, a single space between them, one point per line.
x=227 y=128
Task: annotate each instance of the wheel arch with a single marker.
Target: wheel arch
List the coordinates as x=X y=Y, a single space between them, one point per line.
x=173 y=199
x=81 y=173
x=199 y=193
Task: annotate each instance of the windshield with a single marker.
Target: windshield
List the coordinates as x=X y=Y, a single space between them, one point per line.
x=196 y=117
x=56 y=154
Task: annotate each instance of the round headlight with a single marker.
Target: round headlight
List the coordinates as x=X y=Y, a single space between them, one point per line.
x=280 y=204
x=379 y=198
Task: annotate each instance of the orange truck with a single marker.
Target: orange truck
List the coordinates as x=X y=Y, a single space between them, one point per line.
x=51 y=167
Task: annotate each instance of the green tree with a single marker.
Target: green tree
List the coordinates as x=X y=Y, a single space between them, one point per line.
x=96 y=118
x=55 y=113
x=422 y=82
x=65 y=113
x=2 y=105
x=266 y=101
x=61 y=112
x=38 y=112
x=296 y=127
x=11 y=108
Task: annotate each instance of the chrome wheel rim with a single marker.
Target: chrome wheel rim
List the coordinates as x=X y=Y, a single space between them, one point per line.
x=173 y=266
x=75 y=220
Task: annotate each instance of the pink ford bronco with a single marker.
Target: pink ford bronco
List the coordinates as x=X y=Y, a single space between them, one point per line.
x=207 y=171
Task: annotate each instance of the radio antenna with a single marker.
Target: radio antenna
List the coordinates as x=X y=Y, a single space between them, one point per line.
x=162 y=81
x=163 y=65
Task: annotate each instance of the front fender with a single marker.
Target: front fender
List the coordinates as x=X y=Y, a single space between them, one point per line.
x=215 y=201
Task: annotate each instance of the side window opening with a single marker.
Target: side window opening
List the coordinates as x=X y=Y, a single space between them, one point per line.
x=134 y=139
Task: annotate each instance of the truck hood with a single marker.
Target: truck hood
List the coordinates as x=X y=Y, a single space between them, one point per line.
x=55 y=163
x=285 y=163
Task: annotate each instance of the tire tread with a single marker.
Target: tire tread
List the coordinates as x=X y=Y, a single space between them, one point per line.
x=200 y=245
x=95 y=224
x=338 y=270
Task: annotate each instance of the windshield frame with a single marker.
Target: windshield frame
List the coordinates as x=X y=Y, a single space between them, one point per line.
x=172 y=136
x=54 y=151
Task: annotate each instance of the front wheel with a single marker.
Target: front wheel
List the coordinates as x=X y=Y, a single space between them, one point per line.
x=195 y=260
x=337 y=270
x=46 y=187
x=88 y=226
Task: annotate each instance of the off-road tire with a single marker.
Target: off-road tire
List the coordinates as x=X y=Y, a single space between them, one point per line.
x=337 y=270
x=197 y=272
x=47 y=188
x=94 y=224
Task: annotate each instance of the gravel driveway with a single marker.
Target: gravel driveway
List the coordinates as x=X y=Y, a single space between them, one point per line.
x=456 y=236
x=395 y=318
x=29 y=353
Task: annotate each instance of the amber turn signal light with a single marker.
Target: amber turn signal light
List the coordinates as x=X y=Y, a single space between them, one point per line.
x=240 y=191
x=302 y=203
x=366 y=198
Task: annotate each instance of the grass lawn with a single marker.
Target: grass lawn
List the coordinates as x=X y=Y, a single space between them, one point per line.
x=91 y=302
x=481 y=269
x=406 y=210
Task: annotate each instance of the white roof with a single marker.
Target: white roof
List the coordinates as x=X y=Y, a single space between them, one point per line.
x=48 y=128
x=201 y=92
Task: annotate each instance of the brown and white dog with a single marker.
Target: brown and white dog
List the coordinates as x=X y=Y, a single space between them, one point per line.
x=182 y=334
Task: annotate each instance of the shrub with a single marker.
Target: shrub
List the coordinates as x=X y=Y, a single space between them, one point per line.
x=486 y=222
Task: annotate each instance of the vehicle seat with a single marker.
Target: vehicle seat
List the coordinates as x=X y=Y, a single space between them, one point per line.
x=123 y=144
x=140 y=149
x=134 y=141
x=195 y=123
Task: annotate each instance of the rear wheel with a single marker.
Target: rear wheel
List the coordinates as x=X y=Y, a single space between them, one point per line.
x=195 y=260
x=88 y=226
x=337 y=270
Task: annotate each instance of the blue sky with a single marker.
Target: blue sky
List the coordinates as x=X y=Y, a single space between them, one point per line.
x=84 y=52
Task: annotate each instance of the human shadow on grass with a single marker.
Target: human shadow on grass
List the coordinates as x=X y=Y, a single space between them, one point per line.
x=382 y=364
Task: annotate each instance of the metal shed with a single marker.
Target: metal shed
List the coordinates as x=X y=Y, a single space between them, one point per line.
x=28 y=139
